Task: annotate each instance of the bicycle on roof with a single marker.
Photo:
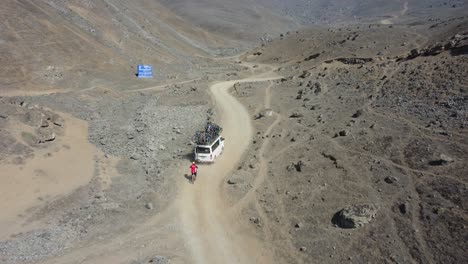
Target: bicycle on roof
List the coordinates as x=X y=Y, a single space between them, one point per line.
x=209 y=142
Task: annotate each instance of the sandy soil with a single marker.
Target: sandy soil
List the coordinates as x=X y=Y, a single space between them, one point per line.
x=52 y=173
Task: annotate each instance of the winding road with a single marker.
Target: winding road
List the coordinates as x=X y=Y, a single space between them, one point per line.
x=213 y=234
x=199 y=226
x=389 y=21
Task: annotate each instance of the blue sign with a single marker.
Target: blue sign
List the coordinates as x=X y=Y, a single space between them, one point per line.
x=145 y=71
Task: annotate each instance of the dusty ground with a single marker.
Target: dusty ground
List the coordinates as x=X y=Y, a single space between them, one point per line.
x=315 y=121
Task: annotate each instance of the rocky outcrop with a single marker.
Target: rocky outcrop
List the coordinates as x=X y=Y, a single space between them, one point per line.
x=298 y=166
x=351 y=61
x=457 y=45
x=305 y=74
x=312 y=57
x=442 y=160
x=355 y=216
x=296 y=115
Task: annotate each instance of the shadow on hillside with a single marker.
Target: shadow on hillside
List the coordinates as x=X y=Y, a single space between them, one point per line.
x=459 y=51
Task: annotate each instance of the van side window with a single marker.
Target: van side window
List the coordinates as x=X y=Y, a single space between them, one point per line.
x=215 y=145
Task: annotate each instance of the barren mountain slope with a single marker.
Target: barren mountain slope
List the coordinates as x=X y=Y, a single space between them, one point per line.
x=244 y=19
x=358 y=11
x=362 y=157
x=52 y=44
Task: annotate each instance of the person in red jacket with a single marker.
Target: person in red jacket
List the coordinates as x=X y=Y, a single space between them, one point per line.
x=193 y=169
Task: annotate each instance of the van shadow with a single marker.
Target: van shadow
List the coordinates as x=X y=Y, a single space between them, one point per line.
x=189 y=156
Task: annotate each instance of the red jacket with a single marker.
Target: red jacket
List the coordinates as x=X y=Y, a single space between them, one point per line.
x=193 y=168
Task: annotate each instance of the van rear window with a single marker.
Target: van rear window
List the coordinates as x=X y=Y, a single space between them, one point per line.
x=203 y=150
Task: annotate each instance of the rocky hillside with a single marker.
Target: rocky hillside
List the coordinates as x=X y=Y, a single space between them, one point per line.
x=50 y=44
x=363 y=147
x=358 y=11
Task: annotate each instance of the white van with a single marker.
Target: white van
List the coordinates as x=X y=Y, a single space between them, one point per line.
x=208 y=153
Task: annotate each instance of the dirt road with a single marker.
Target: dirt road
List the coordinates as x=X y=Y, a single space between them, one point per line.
x=389 y=21
x=199 y=226
x=214 y=235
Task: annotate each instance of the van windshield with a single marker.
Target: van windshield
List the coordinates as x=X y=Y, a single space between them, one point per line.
x=203 y=150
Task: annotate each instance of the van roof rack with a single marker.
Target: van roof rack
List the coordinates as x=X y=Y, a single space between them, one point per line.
x=207 y=136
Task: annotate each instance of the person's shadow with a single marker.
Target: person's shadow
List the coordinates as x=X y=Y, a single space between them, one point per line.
x=188 y=177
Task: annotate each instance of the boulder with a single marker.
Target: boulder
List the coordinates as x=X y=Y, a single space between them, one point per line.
x=295 y=166
x=305 y=74
x=355 y=216
x=299 y=225
x=296 y=115
x=255 y=220
x=235 y=179
x=45 y=123
x=390 y=179
x=264 y=113
x=443 y=160
x=403 y=208
x=46 y=135
x=149 y=206
x=135 y=156
x=57 y=120
x=357 y=114
x=317 y=88
x=299 y=165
